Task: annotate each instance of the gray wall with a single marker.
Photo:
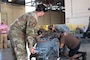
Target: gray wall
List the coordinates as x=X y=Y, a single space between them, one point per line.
x=52 y=17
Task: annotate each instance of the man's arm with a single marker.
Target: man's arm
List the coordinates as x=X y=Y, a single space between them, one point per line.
x=61 y=45
x=30 y=32
x=62 y=42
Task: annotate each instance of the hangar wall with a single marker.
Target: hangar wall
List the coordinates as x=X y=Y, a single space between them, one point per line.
x=10 y=12
x=77 y=13
x=52 y=17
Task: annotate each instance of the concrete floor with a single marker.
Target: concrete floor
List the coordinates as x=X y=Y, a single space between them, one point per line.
x=85 y=46
x=5 y=54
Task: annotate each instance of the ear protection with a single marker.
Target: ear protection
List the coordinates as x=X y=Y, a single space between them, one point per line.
x=50 y=27
x=39 y=32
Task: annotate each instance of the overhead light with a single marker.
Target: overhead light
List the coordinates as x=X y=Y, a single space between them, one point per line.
x=9 y=0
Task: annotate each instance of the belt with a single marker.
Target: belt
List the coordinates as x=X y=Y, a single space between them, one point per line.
x=42 y=40
x=2 y=33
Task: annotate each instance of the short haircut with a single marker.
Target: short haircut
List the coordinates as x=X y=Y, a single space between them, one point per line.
x=41 y=7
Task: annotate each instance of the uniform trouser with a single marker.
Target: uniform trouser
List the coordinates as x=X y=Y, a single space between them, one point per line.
x=3 y=41
x=16 y=56
x=18 y=49
x=19 y=57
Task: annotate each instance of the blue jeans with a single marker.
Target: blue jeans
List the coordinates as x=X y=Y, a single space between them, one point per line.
x=47 y=48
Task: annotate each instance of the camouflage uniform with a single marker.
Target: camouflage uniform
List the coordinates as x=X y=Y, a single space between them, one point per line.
x=22 y=31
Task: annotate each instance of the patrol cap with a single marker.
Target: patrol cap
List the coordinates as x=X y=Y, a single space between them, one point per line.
x=41 y=7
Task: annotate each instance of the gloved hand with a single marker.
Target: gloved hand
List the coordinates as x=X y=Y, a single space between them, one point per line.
x=61 y=52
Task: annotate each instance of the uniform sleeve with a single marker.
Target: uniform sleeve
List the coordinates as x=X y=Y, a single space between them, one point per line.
x=30 y=32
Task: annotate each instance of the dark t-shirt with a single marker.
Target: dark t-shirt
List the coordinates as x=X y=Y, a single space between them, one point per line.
x=69 y=40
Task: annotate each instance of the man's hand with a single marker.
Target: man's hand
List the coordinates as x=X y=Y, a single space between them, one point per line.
x=32 y=50
x=40 y=35
x=61 y=49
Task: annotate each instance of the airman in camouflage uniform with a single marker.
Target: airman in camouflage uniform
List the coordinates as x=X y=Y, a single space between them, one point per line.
x=23 y=30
